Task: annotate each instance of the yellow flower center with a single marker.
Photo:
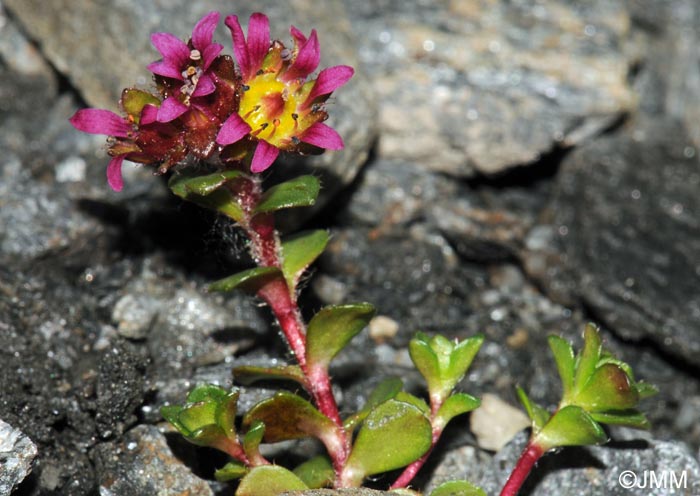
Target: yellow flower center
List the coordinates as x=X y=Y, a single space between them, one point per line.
x=269 y=107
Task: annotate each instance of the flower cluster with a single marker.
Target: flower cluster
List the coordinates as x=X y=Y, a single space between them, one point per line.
x=205 y=105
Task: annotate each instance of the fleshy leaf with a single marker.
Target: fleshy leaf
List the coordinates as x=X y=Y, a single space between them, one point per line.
x=646 y=390
x=538 y=415
x=226 y=414
x=629 y=418
x=589 y=356
x=248 y=374
x=570 y=426
x=456 y=404
x=609 y=388
x=299 y=252
x=458 y=488
x=198 y=415
x=250 y=280
x=133 y=100
x=392 y=436
x=298 y=192
x=565 y=359
x=231 y=471
x=216 y=198
x=206 y=392
x=252 y=439
x=269 y=480
x=316 y=473
x=288 y=416
x=332 y=328
x=425 y=360
x=183 y=185
x=385 y=390
x=461 y=358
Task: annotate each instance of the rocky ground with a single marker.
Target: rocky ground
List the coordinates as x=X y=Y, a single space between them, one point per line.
x=516 y=168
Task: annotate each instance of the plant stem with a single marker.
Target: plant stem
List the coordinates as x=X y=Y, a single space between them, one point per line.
x=265 y=247
x=527 y=460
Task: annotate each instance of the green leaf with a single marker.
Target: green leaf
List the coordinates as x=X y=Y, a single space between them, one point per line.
x=538 y=415
x=629 y=418
x=317 y=472
x=332 y=328
x=206 y=392
x=461 y=358
x=392 y=436
x=565 y=359
x=589 y=356
x=414 y=400
x=570 y=426
x=252 y=440
x=251 y=280
x=288 y=416
x=458 y=488
x=299 y=252
x=231 y=471
x=226 y=413
x=197 y=415
x=645 y=390
x=456 y=404
x=425 y=360
x=206 y=192
x=171 y=413
x=299 y=192
x=609 y=388
x=269 y=480
x=184 y=186
x=385 y=390
x=249 y=374
x=210 y=435
x=133 y=100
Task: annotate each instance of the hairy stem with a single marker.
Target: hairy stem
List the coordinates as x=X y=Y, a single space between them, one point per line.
x=527 y=460
x=265 y=248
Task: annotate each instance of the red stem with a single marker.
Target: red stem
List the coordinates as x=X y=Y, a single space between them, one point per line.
x=527 y=460
x=265 y=248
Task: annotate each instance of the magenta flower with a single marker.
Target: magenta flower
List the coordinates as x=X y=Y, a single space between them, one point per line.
x=279 y=109
x=188 y=63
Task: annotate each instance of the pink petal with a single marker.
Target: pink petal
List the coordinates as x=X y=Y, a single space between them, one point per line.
x=323 y=136
x=209 y=54
x=166 y=68
x=114 y=173
x=234 y=129
x=263 y=157
x=173 y=49
x=99 y=121
x=307 y=59
x=205 y=86
x=203 y=32
x=330 y=79
x=240 y=47
x=258 y=40
x=298 y=36
x=171 y=109
x=149 y=114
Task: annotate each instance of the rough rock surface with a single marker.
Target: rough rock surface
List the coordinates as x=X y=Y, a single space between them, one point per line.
x=483 y=86
x=594 y=471
x=143 y=463
x=17 y=452
x=625 y=221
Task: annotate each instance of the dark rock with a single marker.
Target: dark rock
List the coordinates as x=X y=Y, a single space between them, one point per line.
x=594 y=471
x=17 y=452
x=627 y=236
x=485 y=86
x=143 y=463
x=120 y=389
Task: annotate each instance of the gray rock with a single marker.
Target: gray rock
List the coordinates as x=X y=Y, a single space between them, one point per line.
x=627 y=236
x=593 y=471
x=143 y=463
x=485 y=86
x=103 y=48
x=17 y=452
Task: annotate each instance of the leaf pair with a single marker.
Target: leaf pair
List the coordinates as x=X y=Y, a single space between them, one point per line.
x=596 y=388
